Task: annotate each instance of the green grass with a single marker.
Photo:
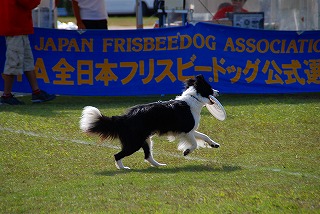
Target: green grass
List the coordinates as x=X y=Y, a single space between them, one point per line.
x=118 y=20
x=268 y=161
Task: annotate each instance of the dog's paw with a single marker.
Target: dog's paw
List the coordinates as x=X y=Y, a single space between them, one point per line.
x=159 y=165
x=154 y=163
x=216 y=145
x=119 y=165
x=185 y=153
x=126 y=168
x=123 y=168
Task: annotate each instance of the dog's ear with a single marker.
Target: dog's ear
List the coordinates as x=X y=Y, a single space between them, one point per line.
x=200 y=77
x=202 y=86
x=188 y=83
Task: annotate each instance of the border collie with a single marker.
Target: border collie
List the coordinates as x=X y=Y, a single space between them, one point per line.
x=179 y=118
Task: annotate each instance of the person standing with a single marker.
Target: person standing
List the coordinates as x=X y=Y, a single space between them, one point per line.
x=16 y=25
x=236 y=6
x=90 y=14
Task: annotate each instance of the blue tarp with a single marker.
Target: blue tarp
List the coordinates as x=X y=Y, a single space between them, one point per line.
x=156 y=61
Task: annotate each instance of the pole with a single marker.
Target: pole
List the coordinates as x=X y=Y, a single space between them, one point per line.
x=50 y=13
x=139 y=15
x=318 y=15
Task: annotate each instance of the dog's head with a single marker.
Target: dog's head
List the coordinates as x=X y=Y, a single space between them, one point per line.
x=202 y=88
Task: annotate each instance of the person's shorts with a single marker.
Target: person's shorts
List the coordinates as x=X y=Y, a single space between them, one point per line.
x=19 y=57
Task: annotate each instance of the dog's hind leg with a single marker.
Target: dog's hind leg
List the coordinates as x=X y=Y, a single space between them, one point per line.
x=205 y=138
x=126 y=151
x=148 y=156
x=118 y=157
x=120 y=165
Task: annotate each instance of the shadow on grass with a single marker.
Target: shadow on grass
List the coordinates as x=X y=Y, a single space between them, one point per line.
x=166 y=169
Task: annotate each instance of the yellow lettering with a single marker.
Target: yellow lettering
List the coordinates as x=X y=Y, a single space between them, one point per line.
x=210 y=42
x=85 y=72
x=62 y=42
x=172 y=43
x=195 y=41
x=293 y=46
x=50 y=44
x=40 y=70
x=86 y=44
x=118 y=45
x=240 y=45
x=106 y=43
x=272 y=48
x=315 y=49
x=185 y=42
x=73 y=45
x=136 y=43
x=259 y=46
x=38 y=48
x=229 y=45
x=148 y=44
x=251 y=47
x=160 y=43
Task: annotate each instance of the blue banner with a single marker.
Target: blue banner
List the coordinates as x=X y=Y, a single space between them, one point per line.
x=156 y=61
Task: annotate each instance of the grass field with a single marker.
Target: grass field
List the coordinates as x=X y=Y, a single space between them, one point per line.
x=268 y=161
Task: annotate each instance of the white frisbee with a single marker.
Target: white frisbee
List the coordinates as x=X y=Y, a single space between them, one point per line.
x=216 y=109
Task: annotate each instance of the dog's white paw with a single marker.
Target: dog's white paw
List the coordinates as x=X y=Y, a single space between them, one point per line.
x=160 y=164
x=119 y=165
x=126 y=168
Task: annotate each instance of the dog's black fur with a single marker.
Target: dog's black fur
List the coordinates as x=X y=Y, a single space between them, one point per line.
x=179 y=117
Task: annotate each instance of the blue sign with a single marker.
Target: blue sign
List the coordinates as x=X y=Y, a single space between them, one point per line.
x=156 y=61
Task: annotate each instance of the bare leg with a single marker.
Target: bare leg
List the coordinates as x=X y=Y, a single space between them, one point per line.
x=8 y=83
x=31 y=76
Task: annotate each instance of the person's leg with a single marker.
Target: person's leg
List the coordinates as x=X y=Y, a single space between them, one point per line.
x=38 y=96
x=32 y=79
x=7 y=97
x=13 y=63
x=28 y=65
x=12 y=68
x=8 y=84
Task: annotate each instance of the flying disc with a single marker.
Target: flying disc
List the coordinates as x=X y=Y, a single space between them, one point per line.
x=216 y=109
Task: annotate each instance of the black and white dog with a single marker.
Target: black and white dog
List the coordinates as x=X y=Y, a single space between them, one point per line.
x=179 y=118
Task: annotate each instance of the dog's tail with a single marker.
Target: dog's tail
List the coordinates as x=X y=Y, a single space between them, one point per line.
x=93 y=122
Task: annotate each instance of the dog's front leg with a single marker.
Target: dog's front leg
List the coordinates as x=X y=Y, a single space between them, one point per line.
x=205 y=138
x=147 y=148
x=193 y=142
